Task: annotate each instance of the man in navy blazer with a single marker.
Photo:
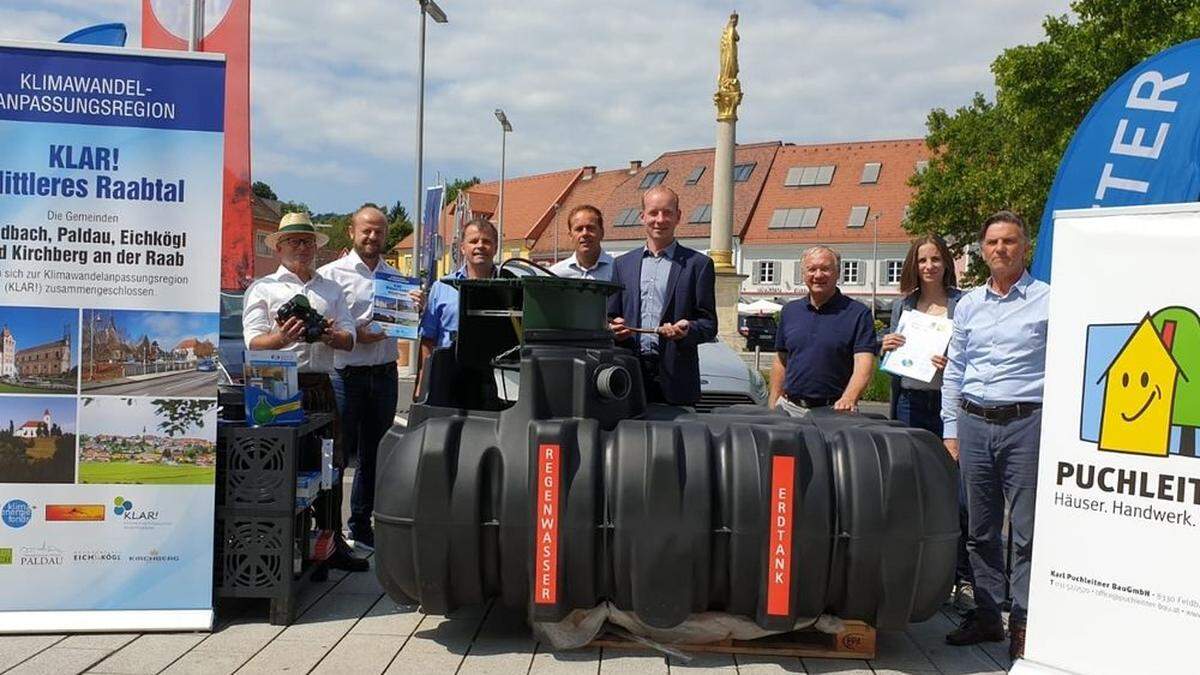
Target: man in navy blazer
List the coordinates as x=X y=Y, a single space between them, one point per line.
x=669 y=288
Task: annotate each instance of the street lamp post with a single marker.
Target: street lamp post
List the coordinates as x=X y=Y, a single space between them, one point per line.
x=428 y=8
x=505 y=129
x=874 y=262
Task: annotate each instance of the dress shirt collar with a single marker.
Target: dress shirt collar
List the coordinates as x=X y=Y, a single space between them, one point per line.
x=1021 y=287
x=461 y=272
x=668 y=252
x=604 y=259
x=284 y=274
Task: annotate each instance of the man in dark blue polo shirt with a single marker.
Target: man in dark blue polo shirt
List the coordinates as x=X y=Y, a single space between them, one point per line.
x=825 y=347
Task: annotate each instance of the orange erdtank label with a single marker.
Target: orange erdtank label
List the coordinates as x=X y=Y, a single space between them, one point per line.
x=779 y=546
x=545 y=587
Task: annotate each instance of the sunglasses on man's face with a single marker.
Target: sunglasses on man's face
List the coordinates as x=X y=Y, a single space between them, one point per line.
x=299 y=242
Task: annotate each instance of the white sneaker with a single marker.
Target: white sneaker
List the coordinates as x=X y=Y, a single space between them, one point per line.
x=964 y=597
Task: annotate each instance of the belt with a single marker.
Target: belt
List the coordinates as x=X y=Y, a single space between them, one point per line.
x=1001 y=413
x=809 y=402
x=377 y=368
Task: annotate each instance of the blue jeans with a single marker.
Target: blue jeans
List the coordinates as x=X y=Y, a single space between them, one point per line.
x=922 y=409
x=999 y=462
x=366 y=397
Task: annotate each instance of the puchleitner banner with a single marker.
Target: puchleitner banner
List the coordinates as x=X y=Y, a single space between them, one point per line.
x=1113 y=587
x=110 y=214
x=1137 y=145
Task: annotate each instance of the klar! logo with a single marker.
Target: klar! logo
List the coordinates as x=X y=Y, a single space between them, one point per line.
x=123 y=508
x=1141 y=385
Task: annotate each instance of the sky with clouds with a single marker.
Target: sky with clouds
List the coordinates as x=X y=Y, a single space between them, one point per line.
x=333 y=84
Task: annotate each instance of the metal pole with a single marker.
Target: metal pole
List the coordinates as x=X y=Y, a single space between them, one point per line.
x=195 y=25
x=500 y=227
x=414 y=354
x=874 y=264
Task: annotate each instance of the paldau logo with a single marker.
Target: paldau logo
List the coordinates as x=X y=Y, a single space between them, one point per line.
x=154 y=556
x=123 y=508
x=5 y=556
x=41 y=555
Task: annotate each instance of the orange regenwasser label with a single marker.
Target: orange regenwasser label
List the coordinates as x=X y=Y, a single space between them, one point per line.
x=545 y=587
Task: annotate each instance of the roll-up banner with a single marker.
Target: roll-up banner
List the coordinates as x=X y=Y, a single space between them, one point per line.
x=1113 y=589
x=110 y=223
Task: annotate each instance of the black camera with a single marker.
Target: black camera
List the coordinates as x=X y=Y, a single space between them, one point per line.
x=298 y=307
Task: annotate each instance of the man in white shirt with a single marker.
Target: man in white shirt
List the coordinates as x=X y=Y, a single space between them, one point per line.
x=296 y=243
x=365 y=378
x=585 y=224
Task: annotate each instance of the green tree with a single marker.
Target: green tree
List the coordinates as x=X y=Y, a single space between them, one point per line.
x=263 y=190
x=458 y=185
x=990 y=155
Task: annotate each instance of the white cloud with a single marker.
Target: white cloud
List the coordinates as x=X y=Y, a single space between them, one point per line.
x=334 y=83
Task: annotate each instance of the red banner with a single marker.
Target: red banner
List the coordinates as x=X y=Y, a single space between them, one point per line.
x=227 y=31
x=545 y=590
x=779 y=546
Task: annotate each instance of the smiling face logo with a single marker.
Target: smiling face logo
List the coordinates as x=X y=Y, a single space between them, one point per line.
x=1138 y=396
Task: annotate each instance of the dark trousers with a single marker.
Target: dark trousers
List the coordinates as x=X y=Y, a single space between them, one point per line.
x=651 y=372
x=922 y=409
x=367 y=397
x=999 y=462
x=318 y=396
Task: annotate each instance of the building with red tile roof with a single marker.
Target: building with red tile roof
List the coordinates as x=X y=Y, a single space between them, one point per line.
x=852 y=197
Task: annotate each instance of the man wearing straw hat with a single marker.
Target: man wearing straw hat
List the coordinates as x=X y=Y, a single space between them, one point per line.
x=296 y=243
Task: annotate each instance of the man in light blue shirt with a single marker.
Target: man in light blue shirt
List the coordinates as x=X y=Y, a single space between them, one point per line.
x=585 y=224
x=992 y=412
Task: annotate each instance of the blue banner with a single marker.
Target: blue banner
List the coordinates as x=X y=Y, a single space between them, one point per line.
x=429 y=229
x=111 y=89
x=110 y=253
x=105 y=35
x=1140 y=144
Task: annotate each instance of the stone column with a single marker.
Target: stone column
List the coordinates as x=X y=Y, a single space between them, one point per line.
x=720 y=247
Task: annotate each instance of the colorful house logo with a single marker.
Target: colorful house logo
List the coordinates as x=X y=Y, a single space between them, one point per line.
x=1141 y=389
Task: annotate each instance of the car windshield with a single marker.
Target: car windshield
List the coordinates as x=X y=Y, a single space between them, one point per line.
x=231 y=315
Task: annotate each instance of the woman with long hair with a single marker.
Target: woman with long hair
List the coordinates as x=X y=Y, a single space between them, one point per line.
x=928 y=284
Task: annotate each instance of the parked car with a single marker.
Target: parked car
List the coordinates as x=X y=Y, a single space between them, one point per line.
x=205 y=366
x=230 y=349
x=759 y=331
x=725 y=379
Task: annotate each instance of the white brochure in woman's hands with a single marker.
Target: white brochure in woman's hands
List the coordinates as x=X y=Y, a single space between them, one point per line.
x=925 y=336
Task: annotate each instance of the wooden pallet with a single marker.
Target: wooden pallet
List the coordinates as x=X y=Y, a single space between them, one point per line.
x=855 y=641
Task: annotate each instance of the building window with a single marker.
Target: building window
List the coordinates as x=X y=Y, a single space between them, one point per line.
x=651 y=179
x=790 y=218
x=850 y=272
x=702 y=214
x=741 y=172
x=764 y=272
x=870 y=173
x=629 y=217
x=858 y=216
x=260 y=243
x=893 y=272
x=799 y=176
x=694 y=176
x=921 y=165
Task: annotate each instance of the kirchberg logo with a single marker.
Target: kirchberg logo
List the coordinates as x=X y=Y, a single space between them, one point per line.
x=1140 y=397
x=40 y=556
x=16 y=513
x=154 y=556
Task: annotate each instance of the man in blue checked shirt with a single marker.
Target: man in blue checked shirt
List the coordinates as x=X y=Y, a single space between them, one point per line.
x=992 y=411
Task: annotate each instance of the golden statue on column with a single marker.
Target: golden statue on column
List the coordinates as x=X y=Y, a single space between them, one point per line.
x=729 y=90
